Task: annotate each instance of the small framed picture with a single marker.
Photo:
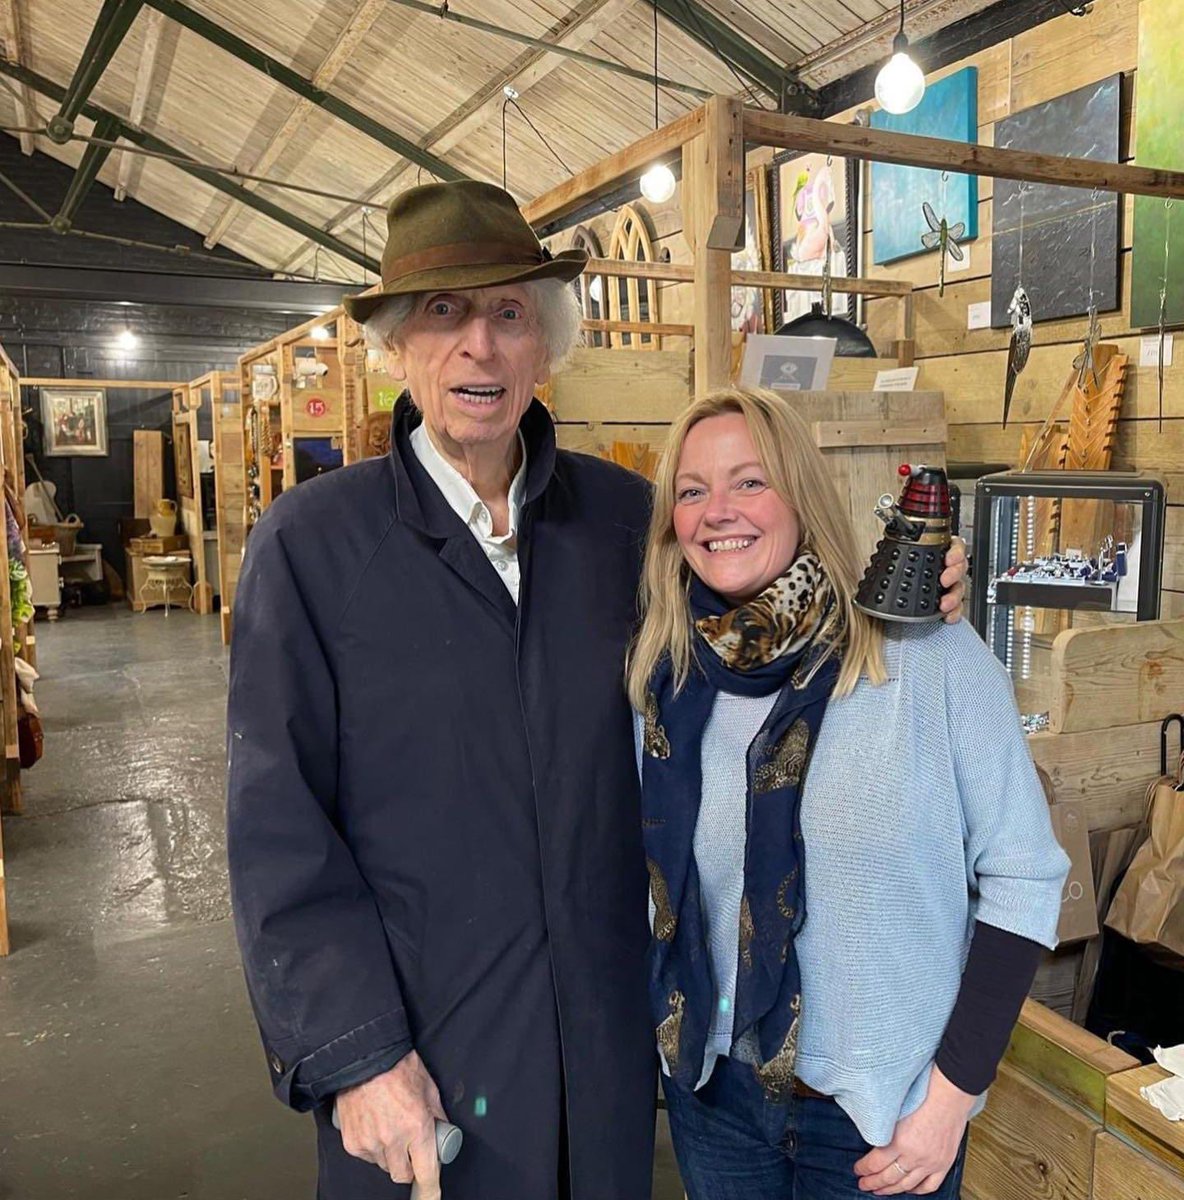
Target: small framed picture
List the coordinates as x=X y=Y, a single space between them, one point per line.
x=787 y=364
x=75 y=421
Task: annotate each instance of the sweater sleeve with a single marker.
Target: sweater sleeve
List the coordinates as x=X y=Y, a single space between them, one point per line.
x=1015 y=867
x=998 y=976
x=318 y=968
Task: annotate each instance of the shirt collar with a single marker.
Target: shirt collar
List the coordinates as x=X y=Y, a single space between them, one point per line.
x=457 y=490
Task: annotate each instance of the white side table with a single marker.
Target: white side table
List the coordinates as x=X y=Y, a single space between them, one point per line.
x=44 y=579
x=163 y=574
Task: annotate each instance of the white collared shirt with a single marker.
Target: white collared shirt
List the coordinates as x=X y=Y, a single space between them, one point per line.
x=501 y=550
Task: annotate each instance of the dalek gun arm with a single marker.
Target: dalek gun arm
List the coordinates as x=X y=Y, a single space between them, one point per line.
x=895 y=523
x=903 y=579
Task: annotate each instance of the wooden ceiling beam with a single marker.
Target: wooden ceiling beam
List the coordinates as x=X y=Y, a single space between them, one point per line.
x=878 y=145
x=213 y=178
x=14 y=51
x=154 y=27
x=589 y=19
x=357 y=26
x=281 y=73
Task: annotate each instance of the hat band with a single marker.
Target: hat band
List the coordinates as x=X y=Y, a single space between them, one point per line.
x=462 y=254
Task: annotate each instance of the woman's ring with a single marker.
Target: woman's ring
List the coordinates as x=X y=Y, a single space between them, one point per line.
x=896 y=1164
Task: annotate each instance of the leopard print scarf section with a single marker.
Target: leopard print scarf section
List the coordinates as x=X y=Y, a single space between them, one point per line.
x=781 y=620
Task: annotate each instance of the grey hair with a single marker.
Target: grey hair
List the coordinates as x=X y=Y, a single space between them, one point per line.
x=555 y=301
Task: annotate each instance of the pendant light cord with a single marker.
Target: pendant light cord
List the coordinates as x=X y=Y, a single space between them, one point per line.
x=655 y=64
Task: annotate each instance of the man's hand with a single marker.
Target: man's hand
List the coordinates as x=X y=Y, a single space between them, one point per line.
x=390 y=1121
x=952 y=577
x=924 y=1146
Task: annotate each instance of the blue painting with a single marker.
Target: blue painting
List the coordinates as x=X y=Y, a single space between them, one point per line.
x=948 y=110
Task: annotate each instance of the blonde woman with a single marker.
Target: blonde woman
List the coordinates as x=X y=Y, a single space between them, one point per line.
x=851 y=862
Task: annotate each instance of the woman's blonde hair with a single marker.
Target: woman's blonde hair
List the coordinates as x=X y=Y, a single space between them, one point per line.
x=798 y=473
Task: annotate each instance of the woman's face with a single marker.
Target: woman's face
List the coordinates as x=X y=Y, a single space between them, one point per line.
x=735 y=531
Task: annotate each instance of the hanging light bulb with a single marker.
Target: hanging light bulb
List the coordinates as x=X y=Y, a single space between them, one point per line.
x=900 y=83
x=319 y=333
x=596 y=289
x=658 y=184
x=127 y=340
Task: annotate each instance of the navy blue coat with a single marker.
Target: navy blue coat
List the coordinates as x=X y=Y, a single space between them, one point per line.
x=434 y=822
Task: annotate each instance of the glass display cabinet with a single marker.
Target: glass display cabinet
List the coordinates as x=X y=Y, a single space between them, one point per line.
x=1056 y=550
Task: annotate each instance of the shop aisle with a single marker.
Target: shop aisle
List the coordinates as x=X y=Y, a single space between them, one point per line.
x=129 y=1063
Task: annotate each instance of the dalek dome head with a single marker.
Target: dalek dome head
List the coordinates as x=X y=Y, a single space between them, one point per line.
x=926 y=491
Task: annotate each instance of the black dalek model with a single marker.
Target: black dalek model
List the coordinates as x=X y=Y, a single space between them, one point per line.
x=902 y=581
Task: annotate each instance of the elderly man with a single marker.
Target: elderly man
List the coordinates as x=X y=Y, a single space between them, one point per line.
x=434 y=826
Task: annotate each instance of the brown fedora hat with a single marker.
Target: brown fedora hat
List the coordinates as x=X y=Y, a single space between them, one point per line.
x=465 y=234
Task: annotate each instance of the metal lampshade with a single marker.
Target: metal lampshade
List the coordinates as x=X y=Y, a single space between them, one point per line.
x=852 y=341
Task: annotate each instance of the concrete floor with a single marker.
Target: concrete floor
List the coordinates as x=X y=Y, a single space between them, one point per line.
x=130 y=1066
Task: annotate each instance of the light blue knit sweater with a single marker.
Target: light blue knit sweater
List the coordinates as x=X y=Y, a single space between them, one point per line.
x=921 y=813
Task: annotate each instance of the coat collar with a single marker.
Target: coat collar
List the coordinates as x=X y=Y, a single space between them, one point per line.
x=420 y=503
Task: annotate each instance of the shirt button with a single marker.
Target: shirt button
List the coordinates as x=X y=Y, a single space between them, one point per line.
x=502 y=565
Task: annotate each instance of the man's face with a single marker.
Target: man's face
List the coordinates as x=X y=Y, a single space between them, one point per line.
x=471 y=360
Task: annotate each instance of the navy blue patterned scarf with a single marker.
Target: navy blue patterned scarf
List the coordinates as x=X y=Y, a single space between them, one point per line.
x=769 y=644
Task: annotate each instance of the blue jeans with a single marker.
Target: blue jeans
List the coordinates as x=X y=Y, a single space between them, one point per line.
x=732 y=1145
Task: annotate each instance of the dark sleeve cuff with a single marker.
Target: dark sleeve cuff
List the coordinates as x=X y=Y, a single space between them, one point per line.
x=347 y=1060
x=998 y=975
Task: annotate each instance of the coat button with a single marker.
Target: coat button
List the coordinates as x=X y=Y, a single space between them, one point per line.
x=277 y=1064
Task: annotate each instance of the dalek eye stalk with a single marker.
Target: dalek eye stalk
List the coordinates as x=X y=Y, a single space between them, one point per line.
x=902 y=581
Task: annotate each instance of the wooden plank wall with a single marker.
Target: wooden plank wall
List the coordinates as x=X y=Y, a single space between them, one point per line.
x=968 y=366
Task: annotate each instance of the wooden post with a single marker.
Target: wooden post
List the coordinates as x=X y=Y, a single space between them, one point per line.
x=148 y=456
x=713 y=217
x=287 y=370
x=906 y=322
x=352 y=356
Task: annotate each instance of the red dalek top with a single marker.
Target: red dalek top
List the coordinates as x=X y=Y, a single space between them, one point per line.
x=902 y=581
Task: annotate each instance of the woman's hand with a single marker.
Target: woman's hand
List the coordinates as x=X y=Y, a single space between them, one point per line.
x=924 y=1146
x=953 y=578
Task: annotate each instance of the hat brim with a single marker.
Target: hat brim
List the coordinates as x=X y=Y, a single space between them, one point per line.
x=566 y=266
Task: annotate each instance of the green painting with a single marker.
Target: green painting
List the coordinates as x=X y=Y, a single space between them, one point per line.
x=1159 y=142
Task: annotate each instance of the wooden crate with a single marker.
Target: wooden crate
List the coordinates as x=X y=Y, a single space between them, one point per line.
x=1029 y=1143
x=158 y=545
x=1123 y=1173
x=1133 y=1118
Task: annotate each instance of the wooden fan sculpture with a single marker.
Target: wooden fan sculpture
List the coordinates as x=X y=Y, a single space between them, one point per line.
x=1093 y=425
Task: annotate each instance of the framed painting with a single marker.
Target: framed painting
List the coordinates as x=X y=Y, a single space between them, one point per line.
x=1157 y=262
x=1062 y=228
x=815 y=204
x=949 y=110
x=75 y=421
